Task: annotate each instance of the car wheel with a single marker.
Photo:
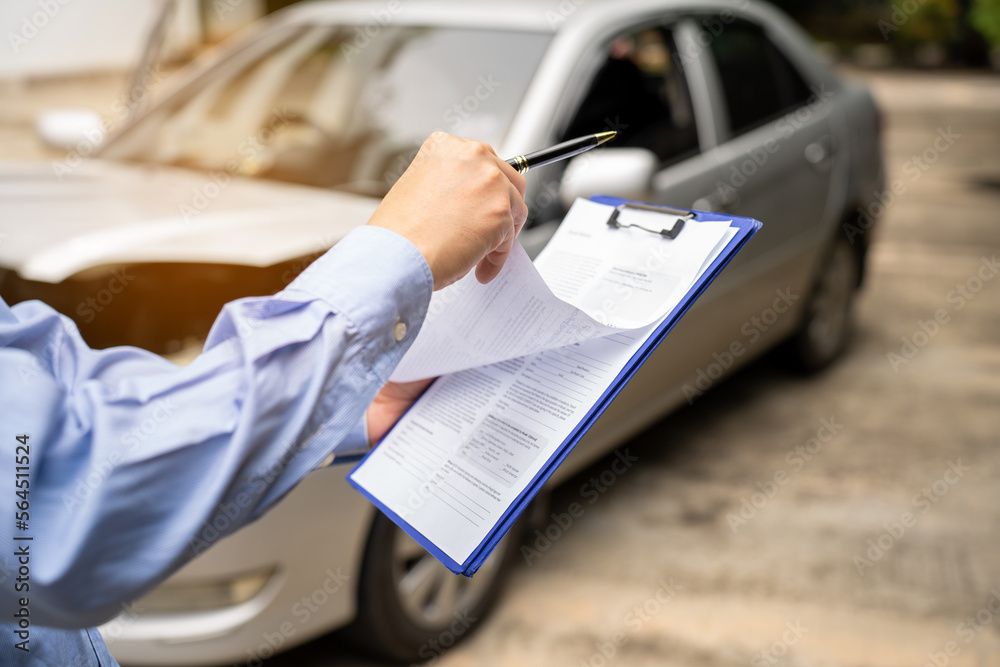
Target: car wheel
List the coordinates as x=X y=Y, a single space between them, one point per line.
x=828 y=318
x=411 y=607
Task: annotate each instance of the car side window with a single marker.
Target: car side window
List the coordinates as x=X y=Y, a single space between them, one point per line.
x=641 y=92
x=758 y=81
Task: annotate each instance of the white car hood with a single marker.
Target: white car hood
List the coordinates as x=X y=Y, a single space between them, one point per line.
x=112 y=213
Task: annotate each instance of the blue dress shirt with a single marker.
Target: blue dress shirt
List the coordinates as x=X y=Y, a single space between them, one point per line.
x=131 y=458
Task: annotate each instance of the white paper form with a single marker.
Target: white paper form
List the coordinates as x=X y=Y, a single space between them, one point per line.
x=592 y=280
x=470 y=446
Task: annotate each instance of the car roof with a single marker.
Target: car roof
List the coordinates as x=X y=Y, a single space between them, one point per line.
x=511 y=14
x=535 y=15
x=566 y=17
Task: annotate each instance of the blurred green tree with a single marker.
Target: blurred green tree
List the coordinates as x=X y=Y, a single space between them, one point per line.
x=935 y=22
x=985 y=17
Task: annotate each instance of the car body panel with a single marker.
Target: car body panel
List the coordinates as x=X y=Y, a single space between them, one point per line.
x=303 y=601
x=107 y=213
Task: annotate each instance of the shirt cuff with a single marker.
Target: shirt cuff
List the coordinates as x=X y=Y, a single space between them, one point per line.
x=368 y=263
x=352 y=447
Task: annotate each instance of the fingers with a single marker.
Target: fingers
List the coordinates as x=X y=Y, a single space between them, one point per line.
x=515 y=178
x=518 y=207
x=489 y=267
x=460 y=205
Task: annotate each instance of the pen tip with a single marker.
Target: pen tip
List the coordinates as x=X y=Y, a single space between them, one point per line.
x=605 y=136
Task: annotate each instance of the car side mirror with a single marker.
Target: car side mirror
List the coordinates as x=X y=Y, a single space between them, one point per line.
x=71 y=129
x=619 y=172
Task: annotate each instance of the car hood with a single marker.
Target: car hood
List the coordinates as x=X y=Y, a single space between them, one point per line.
x=54 y=226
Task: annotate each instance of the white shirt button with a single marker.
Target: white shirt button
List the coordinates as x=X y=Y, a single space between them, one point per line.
x=399 y=331
x=328 y=460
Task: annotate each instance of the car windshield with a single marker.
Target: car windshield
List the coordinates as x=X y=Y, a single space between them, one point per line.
x=327 y=106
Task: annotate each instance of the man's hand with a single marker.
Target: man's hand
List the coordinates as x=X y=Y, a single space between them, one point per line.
x=460 y=205
x=390 y=403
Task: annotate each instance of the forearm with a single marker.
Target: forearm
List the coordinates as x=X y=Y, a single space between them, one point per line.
x=154 y=469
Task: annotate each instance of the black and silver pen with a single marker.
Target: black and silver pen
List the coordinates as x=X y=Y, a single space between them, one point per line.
x=566 y=149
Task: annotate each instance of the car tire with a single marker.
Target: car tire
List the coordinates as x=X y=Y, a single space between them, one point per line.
x=410 y=607
x=827 y=320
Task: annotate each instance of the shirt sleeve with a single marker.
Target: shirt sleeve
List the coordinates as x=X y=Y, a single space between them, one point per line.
x=138 y=465
x=354 y=445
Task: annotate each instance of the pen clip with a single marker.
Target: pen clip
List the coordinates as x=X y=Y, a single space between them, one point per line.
x=666 y=232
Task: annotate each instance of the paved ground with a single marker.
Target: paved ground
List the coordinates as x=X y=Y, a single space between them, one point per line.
x=882 y=547
x=800 y=579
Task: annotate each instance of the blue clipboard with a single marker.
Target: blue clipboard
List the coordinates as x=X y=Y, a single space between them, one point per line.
x=746 y=228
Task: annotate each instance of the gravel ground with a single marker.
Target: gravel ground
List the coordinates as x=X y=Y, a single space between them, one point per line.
x=881 y=546
x=845 y=520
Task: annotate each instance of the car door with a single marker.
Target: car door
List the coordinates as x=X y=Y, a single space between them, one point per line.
x=656 y=98
x=640 y=88
x=776 y=154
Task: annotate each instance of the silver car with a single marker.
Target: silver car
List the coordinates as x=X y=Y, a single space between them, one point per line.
x=266 y=151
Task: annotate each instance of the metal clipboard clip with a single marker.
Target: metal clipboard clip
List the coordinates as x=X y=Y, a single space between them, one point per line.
x=667 y=232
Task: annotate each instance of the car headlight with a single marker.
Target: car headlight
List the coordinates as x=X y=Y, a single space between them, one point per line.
x=203 y=596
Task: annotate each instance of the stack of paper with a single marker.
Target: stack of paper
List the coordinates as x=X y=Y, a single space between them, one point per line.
x=528 y=362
